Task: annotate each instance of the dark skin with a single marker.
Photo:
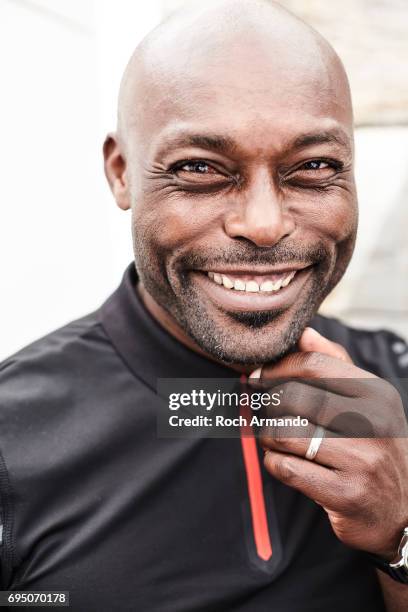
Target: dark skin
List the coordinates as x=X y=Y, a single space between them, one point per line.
x=227 y=157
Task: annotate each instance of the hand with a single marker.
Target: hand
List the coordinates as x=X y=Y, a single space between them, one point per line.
x=362 y=483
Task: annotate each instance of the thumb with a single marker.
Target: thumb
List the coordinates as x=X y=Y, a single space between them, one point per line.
x=312 y=341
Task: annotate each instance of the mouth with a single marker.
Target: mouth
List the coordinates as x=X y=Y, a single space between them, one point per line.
x=253 y=283
x=253 y=290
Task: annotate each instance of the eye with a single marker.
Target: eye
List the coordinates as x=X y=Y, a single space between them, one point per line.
x=315 y=164
x=197 y=167
x=200 y=175
x=313 y=172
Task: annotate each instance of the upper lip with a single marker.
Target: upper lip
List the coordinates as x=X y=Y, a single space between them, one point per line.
x=258 y=271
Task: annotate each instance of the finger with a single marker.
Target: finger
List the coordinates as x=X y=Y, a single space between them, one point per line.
x=298 y=397
x=296 y=441
x=273 y=376
x=311 y=365
x=317 y=482
x=311 y=341
x=347 y=417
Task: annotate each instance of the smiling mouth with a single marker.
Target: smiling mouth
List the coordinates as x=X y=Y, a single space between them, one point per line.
x=253 y=290
x=254 y=283
x=245 y=290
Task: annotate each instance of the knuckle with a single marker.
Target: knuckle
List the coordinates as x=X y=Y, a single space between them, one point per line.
x=374 y=463
x=355 y=495
x=273 y=438
x=342 y=500
x=286 y=469
x=290 y=393
x=281 y=467
x=281 y=440
x=348 y=492
x=313 y=361
x=394 y=398
x=266 y=437
x=381 y=393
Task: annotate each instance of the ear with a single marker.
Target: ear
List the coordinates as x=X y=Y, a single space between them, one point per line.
x=115 y=171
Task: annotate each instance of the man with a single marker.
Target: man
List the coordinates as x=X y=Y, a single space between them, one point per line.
x=234 y=151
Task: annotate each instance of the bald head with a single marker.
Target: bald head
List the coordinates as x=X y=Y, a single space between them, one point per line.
x=256 y=42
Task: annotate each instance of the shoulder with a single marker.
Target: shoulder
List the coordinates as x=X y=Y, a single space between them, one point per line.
x=48 y=368
x=380 y=351
x=59 y=341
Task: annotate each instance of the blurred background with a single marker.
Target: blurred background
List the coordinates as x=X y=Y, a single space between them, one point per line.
x=64 y=244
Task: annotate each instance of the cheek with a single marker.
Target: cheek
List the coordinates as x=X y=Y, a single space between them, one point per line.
x=173 y=222
x=333 y=216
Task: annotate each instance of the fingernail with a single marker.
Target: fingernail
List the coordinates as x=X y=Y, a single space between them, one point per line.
x=256 y=373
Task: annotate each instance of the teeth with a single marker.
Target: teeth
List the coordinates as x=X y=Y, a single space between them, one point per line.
x=239 y=285
x=287 y=280
x=251 y=286
x=267 y=286
x=228 y=283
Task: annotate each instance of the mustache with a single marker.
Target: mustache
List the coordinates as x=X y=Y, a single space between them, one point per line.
x=251 y=254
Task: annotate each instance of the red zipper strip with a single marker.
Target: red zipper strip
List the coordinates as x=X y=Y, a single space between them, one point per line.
x=255 y=487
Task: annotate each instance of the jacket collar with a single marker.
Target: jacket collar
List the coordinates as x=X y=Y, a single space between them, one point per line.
x=149 y=351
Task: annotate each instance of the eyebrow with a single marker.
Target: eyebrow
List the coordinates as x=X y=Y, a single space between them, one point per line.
x=315 y=138
x=224 y=144
x=212 y=142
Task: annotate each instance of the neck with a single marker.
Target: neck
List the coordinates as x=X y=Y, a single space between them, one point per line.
x=173 y=328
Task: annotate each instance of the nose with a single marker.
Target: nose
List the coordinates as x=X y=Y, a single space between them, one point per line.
x=258 y=215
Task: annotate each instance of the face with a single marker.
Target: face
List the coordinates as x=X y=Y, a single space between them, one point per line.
x=243 y=204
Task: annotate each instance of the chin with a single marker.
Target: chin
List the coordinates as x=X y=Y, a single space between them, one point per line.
x=250 y=338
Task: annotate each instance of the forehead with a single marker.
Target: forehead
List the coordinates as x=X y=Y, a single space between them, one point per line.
x=250 y=92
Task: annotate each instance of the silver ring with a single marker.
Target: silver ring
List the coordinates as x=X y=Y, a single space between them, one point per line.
x=315 y=443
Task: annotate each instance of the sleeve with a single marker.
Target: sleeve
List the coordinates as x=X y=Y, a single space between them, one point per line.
x=384 y=353
x=1 y=544
x=6 y=560
x=399 y=355
x=381 y=352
